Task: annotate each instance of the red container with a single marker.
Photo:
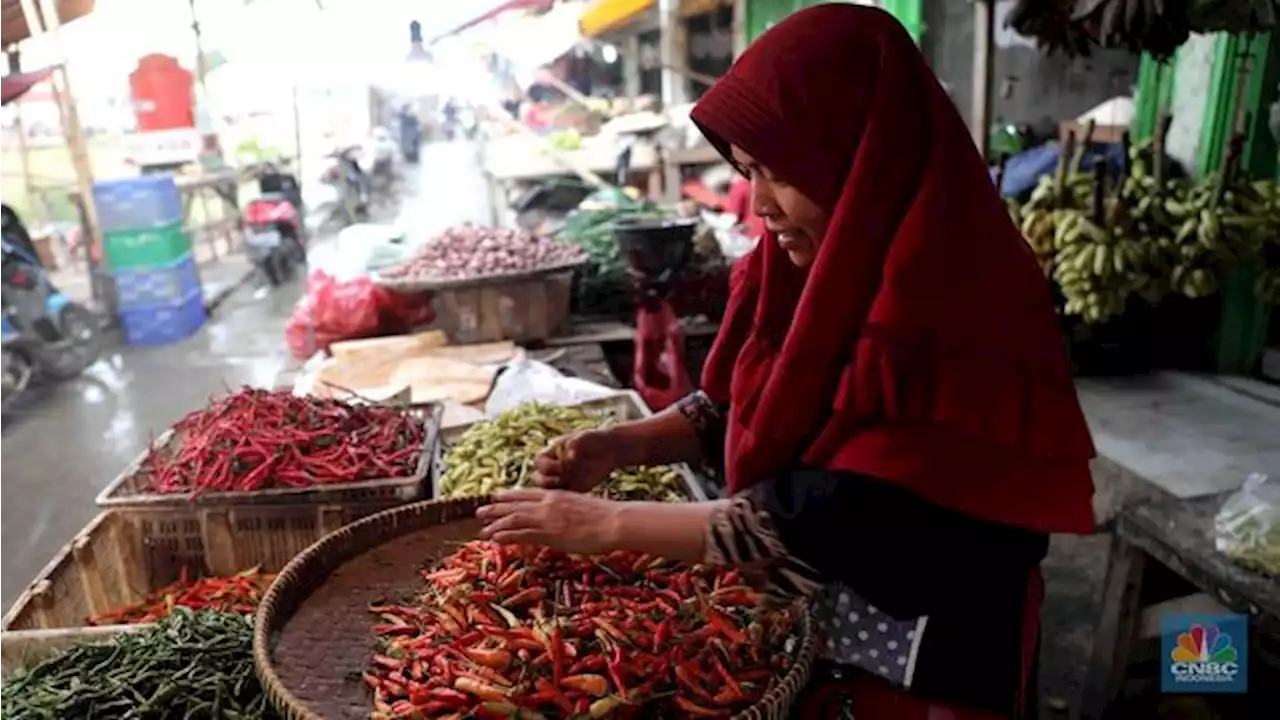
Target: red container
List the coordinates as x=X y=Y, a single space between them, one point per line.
x=161 y=92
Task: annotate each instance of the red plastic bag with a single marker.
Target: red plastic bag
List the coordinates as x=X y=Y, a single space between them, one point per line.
x=332 y=311
x=660 y=375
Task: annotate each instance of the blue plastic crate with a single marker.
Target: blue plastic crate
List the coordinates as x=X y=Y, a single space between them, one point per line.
x=139 y=288
x=164 y=324
x=137 y=203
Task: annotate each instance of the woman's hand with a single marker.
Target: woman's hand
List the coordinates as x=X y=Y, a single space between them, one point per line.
x=577 y=462
x=567 y=521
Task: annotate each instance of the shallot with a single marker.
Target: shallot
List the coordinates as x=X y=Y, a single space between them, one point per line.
x=469 y=251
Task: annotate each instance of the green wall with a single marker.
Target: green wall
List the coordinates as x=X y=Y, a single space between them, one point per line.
x=761 y=14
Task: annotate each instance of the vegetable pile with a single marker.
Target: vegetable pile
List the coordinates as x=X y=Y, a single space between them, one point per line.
x=257 y=439
x=498 y=454
x=604 y=286
x=190 y=665
x=472 y=252
x=239 y=593
x=512 y=631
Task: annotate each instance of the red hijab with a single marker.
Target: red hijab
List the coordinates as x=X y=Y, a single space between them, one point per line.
x=921 y=347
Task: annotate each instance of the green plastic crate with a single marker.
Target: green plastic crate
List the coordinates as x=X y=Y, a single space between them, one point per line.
x=160 y=245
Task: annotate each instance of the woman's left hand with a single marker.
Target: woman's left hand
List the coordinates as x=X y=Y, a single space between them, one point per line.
x=568 y=521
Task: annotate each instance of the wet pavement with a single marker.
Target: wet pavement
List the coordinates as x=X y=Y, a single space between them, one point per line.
x=63 y=444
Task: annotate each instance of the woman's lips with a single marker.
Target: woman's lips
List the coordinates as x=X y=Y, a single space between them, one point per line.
x=788 y=241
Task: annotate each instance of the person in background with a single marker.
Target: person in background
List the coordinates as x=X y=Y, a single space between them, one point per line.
x=888 y=393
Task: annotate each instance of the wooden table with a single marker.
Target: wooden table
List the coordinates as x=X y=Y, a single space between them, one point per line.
x=1162 y=556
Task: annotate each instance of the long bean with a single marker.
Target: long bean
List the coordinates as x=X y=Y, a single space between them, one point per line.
x=186 y=666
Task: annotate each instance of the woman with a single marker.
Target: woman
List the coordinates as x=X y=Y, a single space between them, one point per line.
x=888 y=391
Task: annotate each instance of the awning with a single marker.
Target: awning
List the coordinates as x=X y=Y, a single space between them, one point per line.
x=15 y=86
x=492 y=13
x=15 y=28
x=603 y=16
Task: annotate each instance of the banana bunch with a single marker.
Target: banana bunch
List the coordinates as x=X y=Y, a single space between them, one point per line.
x=1098 y=267
x=1219 y=226
x=1233 y=16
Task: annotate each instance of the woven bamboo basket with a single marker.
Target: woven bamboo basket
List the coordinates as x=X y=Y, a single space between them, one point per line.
x=529 y=306
x=620 y=407
x=313 y=633
x=120 y=557
x=129 y=489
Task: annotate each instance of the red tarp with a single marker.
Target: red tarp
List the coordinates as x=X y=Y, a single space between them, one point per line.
x=15 y=86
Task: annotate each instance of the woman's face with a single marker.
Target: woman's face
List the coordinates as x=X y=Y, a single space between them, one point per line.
x=796 y=221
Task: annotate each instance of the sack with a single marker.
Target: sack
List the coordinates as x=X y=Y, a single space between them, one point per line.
x=1247 y=527
x=660 y=376
x=348 y=310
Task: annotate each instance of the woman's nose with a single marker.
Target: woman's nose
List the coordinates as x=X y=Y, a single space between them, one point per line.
x=763 y=204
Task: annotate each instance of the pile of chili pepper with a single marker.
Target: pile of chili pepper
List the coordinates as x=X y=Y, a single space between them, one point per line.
x=256 y=439
x=512 y=631
x=239 y=593
x=189 y=665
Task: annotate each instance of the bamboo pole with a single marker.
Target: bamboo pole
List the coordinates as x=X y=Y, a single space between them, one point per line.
x=70 y=118
x=24 y=150
x=983 y=71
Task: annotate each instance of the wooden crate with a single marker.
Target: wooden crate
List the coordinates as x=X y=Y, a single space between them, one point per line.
x=122 y=555
x=24 y=648
x=523 y=310
x=620 y=407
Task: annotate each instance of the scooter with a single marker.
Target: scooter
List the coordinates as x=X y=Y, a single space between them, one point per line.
x=350 y=187
x=276 y=238
x=44 y=334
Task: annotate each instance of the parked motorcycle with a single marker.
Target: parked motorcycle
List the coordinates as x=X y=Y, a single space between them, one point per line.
x=44 y=335
x=349 y=185
x=276 y=237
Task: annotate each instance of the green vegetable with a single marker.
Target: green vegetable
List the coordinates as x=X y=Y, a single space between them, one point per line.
x=498 y=454
x=191 y=664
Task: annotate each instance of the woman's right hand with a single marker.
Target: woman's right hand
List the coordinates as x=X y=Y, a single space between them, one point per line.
x=577 y=462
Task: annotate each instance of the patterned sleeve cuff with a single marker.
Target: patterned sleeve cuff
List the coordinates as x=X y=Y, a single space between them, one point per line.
x=743 y=535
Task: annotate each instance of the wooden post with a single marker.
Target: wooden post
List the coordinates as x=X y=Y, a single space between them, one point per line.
x=65 y=98
x=24 y=152
x=984 y=22
x=671 y=49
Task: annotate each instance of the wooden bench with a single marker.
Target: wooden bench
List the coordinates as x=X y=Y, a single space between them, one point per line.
x=1163 y=560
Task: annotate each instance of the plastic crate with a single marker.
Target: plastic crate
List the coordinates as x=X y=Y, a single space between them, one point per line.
x=621 y=407
x=137 y=203
x=146 y=248
x=129 y=491
x=164 y=285
x=162 y=324
x=120 y=557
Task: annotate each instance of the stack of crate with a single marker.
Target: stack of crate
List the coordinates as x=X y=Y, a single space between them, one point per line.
x=149 y=254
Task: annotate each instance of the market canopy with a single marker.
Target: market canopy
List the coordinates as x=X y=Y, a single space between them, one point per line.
x=17 y=85
x=15 y=28
x=605 y=16
x=492 y=13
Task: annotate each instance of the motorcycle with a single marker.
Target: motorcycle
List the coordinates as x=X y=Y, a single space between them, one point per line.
x=276 y=238
x=44 y=334
x=349 y=186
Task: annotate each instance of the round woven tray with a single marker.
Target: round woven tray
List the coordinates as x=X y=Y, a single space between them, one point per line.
x=314 y=634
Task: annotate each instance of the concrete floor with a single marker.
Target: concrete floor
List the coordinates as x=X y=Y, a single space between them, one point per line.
x=64 y=443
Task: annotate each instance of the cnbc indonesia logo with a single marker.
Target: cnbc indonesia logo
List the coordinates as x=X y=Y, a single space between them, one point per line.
x=1204 y=655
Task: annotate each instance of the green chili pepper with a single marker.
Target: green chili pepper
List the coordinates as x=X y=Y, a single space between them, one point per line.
x=189 y=665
